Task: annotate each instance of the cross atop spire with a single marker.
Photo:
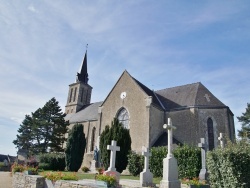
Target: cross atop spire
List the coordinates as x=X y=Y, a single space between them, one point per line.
x=82 y=75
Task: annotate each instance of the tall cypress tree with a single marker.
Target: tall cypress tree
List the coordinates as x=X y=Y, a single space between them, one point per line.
x=118 y=133
x=75 y=147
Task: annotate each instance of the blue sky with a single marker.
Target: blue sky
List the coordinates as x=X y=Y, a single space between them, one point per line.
x=161 y=43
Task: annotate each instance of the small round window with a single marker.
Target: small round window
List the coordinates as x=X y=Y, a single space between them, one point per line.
x=123 y=118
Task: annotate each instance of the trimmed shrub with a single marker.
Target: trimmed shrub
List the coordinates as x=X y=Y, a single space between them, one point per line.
x=156 y=160
x=229 y=167
x=44 y=166
x=52 y=161
x=135 y=163
x=189 y=161
x=75 y=147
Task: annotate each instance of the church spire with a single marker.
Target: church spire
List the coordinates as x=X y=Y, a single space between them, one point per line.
x=82 y=75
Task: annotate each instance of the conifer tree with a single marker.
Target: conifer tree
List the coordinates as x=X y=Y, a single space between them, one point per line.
x=75 y=147
x=245 y=124
x=118 y=133
x=43 y=130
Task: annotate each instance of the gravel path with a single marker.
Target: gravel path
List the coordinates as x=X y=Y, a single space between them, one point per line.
x=5 y=180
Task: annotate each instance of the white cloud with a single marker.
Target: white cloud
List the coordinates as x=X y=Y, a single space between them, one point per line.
x=32 y=8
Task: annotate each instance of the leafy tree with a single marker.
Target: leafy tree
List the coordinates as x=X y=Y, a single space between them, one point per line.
x=245 y=120
x=75 y=147
x=44 y=129
x=118 y=133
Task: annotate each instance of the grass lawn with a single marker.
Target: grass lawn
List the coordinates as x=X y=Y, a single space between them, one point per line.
x=82 y=175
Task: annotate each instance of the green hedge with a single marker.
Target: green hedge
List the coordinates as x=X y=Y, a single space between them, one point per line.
x=135 y=163
x=52 y=161
x=229 y=167
x=188 y=158
x=156 y=160
x=189 y=161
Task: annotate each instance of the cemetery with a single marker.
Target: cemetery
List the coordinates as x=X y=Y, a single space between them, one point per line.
x=226 y=166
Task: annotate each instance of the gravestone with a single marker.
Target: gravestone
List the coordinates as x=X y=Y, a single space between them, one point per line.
x=170 y=167
x=203 y=172
x=221 y=138
x=112 y=170
x=146 y=177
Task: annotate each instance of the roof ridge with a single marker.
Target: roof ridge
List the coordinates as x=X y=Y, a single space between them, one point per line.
x=179 y=86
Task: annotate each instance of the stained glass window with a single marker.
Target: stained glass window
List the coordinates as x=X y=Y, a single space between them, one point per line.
x=123 y=117
x=210 y=131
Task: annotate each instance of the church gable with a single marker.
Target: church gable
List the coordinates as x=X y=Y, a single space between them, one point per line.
x=129 y=97
x=124 y=84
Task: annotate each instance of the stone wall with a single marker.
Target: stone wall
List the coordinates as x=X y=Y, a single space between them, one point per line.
x=21 y=180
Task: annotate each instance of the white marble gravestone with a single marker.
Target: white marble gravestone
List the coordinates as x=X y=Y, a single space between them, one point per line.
x=170 y=168
x=112 y=170
x=146 y=177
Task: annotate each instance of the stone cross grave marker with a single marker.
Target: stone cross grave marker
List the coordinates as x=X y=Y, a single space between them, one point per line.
x=113 y=147
x=146 y=153
x=170 y=129
x=203 y=172
x=170 y=167
x=146 y=177
x=221 y=138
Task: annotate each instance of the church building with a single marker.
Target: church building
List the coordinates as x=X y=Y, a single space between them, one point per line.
x=194 y=110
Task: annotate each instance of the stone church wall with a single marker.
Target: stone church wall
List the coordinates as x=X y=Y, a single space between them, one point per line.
x=192 y=123
x=135 y=103
x=156 y=124
x=186 y=124
x=220 y=122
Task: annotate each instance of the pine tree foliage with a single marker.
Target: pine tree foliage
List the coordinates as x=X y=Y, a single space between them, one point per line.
x=24 y=139
x=43 y=130
x=118 y=133
x=75 y=147
x=245 y=124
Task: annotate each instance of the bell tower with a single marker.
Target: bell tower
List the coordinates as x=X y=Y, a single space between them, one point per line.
x=79 y=93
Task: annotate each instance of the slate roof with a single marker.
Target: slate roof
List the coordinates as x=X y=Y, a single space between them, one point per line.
x=163 y=140
x=187 y=95
x=89 y=112
x=3 y=157
x=149 y=92
x=190 y=95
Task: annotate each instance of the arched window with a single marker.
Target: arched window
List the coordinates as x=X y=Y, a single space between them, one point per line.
x=93 y=139
x=210 y=131
x=123 y=117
